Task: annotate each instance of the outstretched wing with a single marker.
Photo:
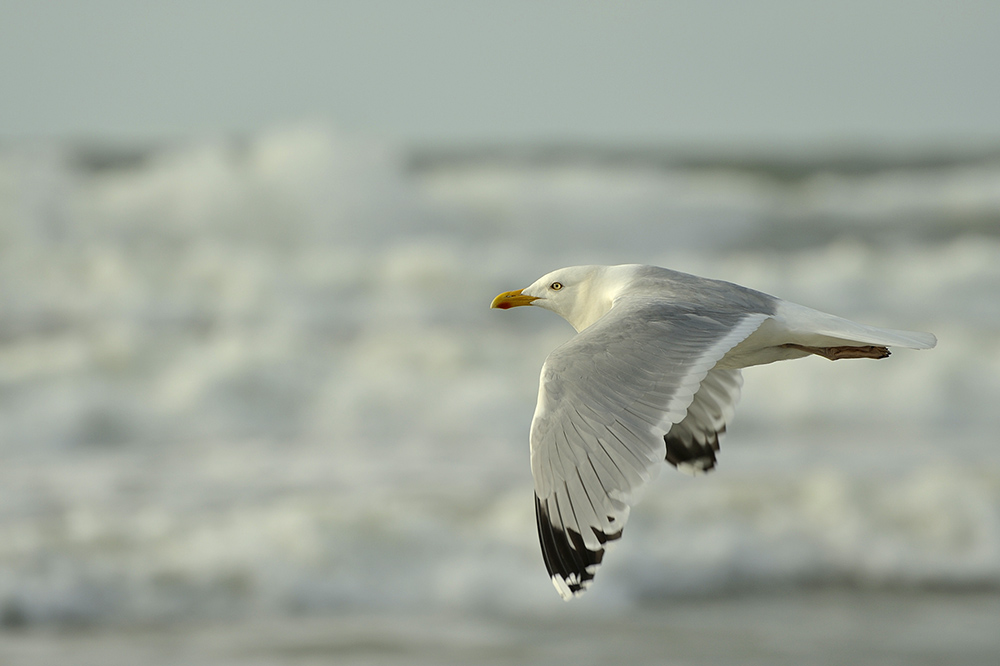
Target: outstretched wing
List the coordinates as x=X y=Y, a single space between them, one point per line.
x=692 y=443
x=606 y=399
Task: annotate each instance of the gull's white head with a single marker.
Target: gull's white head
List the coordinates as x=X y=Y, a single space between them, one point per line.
x=579 y=294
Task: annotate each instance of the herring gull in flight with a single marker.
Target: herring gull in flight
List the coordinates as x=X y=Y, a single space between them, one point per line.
x=653 y=374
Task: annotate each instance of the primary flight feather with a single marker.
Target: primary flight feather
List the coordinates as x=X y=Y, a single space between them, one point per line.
x=652 y=375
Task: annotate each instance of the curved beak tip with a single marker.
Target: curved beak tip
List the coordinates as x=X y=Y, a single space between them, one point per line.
x=511 y=299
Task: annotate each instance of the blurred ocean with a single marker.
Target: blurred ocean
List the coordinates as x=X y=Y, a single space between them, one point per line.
x=257 y=380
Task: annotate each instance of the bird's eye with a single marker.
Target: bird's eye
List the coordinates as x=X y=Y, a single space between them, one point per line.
x=555 y=286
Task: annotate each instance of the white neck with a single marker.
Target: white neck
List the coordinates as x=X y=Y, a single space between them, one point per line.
x=596 y=298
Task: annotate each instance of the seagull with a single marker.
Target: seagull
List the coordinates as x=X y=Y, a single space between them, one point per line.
x=652 y=375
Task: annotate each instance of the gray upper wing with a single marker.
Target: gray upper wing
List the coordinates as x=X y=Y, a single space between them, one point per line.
x=605 y=401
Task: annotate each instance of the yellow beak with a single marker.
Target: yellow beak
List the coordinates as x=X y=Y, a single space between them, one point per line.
x=512 y=299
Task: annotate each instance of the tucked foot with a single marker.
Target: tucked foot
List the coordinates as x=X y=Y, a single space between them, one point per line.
x=837 y=353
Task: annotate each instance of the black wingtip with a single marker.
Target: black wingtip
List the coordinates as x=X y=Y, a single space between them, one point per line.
x=568 y=560
x=688 y=452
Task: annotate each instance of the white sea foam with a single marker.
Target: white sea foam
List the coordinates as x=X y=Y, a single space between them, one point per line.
x=262 y=378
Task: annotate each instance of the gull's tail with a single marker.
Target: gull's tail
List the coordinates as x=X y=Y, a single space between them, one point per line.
x=819 y=329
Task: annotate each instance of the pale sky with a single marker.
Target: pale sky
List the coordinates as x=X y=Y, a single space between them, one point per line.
x=790 y=72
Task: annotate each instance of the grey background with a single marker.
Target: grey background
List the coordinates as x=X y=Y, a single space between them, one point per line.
x=781 y=73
